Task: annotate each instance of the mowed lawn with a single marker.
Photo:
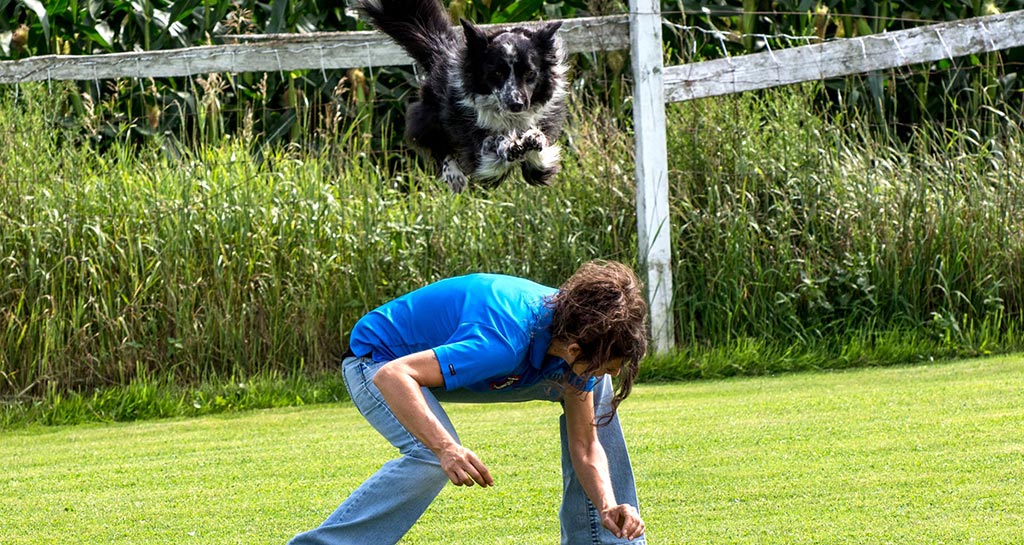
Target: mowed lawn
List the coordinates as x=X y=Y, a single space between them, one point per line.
x=926 y=454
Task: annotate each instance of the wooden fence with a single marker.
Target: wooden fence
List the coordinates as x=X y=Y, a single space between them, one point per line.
x=282 y=52
x=654 y=85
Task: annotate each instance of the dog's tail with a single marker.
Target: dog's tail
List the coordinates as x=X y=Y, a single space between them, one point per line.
x=421 y=27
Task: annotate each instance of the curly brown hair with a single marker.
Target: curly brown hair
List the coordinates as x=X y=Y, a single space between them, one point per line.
x=601 y=308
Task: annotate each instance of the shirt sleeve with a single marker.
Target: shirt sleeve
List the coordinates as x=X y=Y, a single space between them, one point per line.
x=474 y=353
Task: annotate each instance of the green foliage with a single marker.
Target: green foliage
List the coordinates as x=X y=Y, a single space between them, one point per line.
x=791 y=228
x=822 y=18
x=272 y=106
x=293 y=107
x=148 y=397
x=296 y=107
x=803 y=241
x=68 y=27
x=237 y=262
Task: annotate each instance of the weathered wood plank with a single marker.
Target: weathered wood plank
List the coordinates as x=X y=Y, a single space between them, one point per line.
x=320 y=51
x=844 y=57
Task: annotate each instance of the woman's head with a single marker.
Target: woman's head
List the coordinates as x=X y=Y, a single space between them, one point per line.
x=601 y=308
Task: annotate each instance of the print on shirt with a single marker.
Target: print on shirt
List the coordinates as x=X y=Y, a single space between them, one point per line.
x=508 y=382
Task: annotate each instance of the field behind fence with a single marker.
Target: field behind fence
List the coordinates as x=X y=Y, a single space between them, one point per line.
x=803 y=235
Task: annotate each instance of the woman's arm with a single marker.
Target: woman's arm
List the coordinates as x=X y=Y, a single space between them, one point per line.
x=399 y=381
x=591 y=465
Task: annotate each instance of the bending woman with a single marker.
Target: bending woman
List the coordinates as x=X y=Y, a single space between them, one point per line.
x=495 y=338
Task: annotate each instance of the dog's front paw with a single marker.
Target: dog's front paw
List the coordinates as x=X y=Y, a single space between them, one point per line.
x=503 y=147
x=453 y=175
x=533 y=140
x=509 y=148
x=518 y=146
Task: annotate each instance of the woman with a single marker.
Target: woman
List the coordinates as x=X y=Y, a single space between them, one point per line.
x=493 y=338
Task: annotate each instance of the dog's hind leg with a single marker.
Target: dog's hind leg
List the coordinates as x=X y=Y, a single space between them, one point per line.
x=452 y=174
x=539 y=176
x=496 y=156
x=541 y=161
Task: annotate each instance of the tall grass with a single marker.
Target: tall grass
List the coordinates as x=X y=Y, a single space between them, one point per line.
x=803 y=239
x=794 y=228
x=232 y=262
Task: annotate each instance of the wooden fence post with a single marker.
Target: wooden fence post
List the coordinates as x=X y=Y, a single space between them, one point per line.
x=652 y=204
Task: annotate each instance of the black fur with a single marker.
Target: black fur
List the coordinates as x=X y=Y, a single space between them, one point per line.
x=490 y=101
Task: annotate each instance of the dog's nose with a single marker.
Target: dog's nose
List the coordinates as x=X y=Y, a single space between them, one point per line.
x=516 y=106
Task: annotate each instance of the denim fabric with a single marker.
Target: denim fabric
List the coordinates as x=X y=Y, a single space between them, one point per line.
x=384 y=507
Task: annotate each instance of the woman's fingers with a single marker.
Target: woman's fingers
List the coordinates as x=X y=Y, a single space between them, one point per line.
x=633 y=528
x=481 y=475
x=476 y=472
x=624 y=521
x=465 y=469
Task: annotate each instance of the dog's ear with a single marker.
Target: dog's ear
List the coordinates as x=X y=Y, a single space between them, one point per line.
x=546 y=35
x=475 y=37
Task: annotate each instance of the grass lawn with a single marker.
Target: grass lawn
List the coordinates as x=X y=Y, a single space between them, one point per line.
x=928 y=454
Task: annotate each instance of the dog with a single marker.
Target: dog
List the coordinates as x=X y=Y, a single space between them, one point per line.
x=489 y=101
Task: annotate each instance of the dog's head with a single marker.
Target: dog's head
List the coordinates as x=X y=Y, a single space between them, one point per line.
x=517 y=67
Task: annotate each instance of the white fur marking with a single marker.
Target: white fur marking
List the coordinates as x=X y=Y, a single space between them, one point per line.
x=491 y=166
x=546 y=158
x=490 y=116
x=509 y=91
x=452 y=174
x=494 y=156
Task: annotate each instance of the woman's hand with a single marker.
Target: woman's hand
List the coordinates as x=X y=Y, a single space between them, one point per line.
x=463 y=467
x=624 y=521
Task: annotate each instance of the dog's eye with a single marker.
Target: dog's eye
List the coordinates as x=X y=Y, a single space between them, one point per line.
x=498 y=76
x=530 y=76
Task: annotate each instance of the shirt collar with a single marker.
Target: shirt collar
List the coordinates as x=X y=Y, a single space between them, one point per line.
x=540 y=339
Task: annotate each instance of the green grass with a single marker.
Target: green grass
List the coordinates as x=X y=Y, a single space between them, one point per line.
x=148 y=397
x=913 y=454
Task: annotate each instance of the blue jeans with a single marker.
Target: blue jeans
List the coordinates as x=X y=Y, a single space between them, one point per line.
x=385 y=507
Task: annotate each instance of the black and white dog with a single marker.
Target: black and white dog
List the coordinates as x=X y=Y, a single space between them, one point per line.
x=489 y=101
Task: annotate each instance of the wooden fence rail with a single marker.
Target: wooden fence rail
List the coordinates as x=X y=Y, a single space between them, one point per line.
x=274 y=53
x=845 y=57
